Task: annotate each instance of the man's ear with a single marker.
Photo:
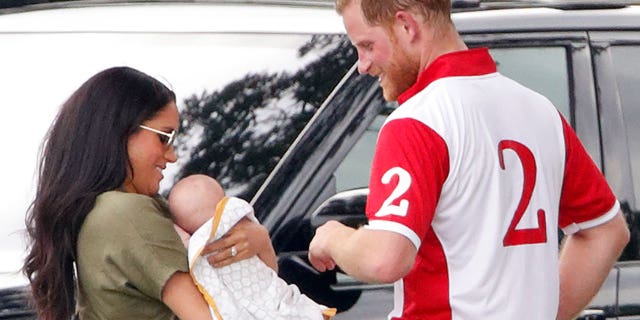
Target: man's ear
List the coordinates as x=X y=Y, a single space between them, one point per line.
x=406 y=25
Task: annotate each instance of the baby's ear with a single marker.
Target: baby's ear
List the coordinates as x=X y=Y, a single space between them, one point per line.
x=184 y=235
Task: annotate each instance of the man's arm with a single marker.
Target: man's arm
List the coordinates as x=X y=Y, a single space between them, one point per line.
x=368 y=255
x=585 y=261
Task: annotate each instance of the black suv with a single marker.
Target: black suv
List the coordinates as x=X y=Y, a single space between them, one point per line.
x=583 y=55
x=314 y=164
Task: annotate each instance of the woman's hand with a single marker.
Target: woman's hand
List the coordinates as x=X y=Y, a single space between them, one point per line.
x=248 y=238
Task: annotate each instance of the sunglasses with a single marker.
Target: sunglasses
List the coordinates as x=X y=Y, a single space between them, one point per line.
x=167 y=138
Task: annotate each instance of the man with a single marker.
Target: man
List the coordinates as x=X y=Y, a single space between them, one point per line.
x=471 y=177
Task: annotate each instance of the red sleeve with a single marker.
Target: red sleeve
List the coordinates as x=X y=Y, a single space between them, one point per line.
x=586 y=195
x=409 y=168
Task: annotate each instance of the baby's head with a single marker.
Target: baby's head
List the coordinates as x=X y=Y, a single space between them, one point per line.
x=193 y=201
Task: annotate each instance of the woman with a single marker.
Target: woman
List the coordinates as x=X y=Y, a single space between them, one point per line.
x=97 y=205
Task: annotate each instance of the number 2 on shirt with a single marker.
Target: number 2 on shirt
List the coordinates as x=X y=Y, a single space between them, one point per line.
x=515 y=237
x=404 y=182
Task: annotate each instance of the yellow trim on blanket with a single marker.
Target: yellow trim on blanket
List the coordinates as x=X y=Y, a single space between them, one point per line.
x=329 y=313
x=208 y=298
x=214 y=227
x=216 y=219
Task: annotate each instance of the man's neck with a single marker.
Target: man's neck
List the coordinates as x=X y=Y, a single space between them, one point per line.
x=447 y=41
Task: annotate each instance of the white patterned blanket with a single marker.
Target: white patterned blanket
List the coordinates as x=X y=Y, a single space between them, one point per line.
x=247 y=289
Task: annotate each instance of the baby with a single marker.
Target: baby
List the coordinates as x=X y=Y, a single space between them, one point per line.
x=247 y=289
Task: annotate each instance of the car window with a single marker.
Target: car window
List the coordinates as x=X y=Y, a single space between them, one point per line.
x=353 y=171
x=543 y=69
x=629 y=290
x=626 y=62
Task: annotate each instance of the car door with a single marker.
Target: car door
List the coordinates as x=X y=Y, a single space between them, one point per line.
x=617 y=73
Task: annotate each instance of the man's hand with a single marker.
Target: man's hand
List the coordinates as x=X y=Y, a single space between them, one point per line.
x=375 y=256
x=320 y=246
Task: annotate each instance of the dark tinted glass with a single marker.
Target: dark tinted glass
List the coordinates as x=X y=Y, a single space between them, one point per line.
x=627 y=68
x=543 y=69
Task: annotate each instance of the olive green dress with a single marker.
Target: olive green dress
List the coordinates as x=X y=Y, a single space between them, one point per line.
x=127 y=250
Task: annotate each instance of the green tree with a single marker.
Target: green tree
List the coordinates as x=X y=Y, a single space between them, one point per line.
x=240 y=132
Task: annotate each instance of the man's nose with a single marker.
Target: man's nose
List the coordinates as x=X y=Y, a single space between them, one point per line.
x=363 y=66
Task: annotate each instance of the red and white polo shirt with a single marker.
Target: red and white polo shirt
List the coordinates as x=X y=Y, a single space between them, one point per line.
x=479 y=172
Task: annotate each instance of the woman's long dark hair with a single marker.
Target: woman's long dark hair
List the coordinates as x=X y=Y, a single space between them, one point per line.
x=84 y=154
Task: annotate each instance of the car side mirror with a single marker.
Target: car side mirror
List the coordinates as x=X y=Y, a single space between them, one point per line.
x=347 y=207
x=319 y=286
x=591 y=314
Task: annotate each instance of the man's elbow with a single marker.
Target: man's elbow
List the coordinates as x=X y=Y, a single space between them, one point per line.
x=620 y=231
x=390 y=258
x=624 y=236
x=390 y=271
